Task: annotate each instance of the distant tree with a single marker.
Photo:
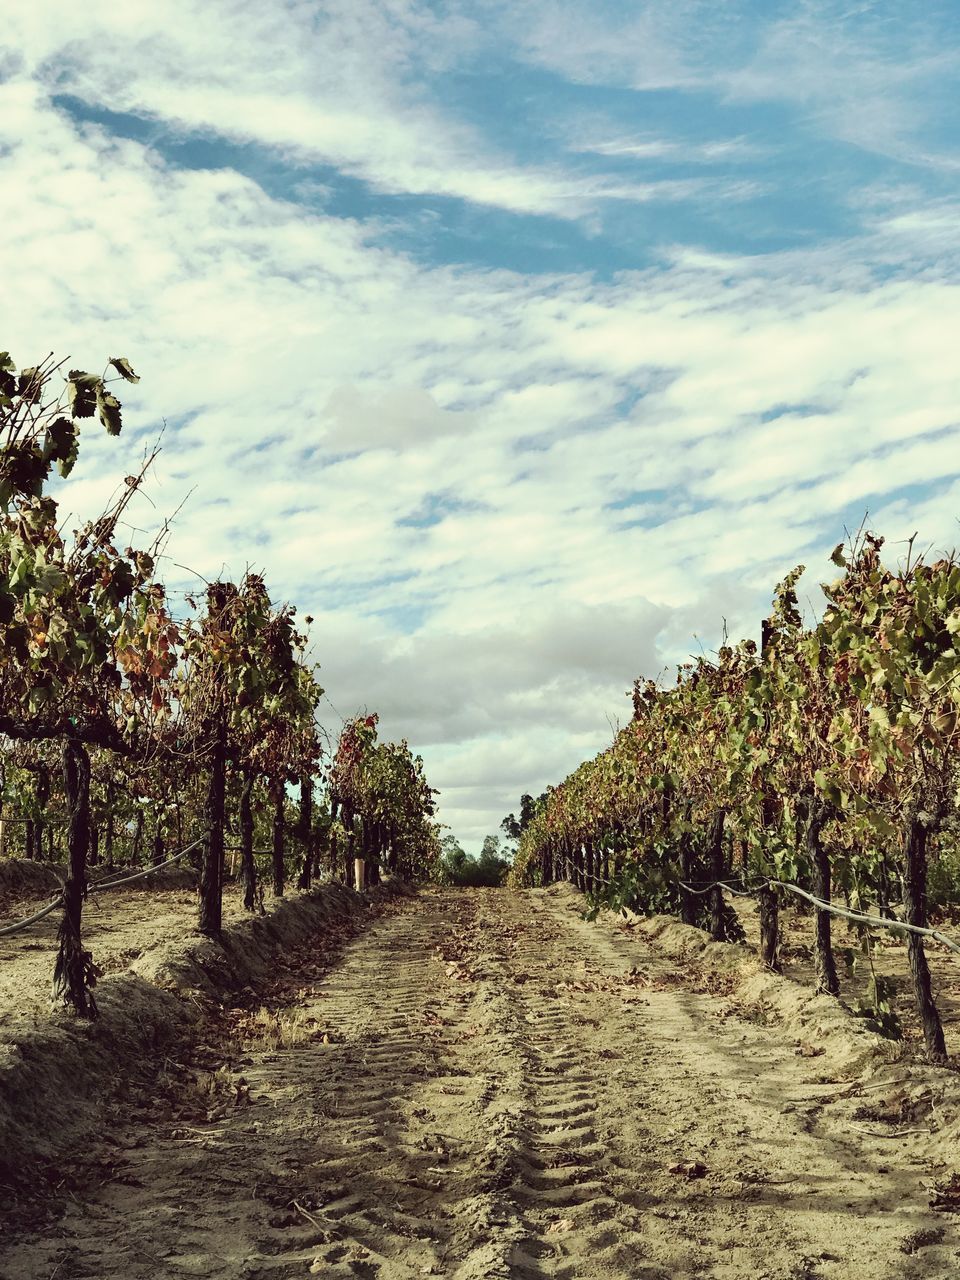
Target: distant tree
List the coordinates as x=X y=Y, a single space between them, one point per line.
x=454 y=856
x=487 y=871
x=510 y=827
x=490 y=849
x=514 y=827
x=491 y=865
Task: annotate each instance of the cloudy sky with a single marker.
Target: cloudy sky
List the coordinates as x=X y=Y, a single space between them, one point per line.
x=522 y=342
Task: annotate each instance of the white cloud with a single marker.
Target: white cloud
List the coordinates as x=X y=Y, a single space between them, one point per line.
x=502 y=496
x=399 y=419
x=645 y=46
x=343 y=85
x=869 y=74
x=651 y=147
x=858 y=77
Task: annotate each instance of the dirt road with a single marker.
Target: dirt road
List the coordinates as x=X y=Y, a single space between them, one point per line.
x=488 y=1086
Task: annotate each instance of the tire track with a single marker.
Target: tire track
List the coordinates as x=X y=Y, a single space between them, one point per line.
x=487 y=1087
x=658 y=1138
x=568 y=1198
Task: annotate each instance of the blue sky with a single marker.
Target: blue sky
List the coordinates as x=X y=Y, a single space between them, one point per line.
x=520 y=343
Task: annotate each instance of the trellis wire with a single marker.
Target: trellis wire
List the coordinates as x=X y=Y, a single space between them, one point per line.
x=899 y=926
x=142 y=875
x=20 y=925
x=24 y=924
x=721 y=884
x=859 y=917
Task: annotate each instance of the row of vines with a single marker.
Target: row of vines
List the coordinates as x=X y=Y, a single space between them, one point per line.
x=130 y=727
x=825 y=759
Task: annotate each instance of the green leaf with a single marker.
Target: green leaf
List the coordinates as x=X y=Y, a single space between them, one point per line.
x=30 y=384
x=65 y=465
x=122 y=366
x=108 y=409
x=880 y=716
x=82 y=392
x=50 y=577
x=60 y=440
x=8 y=380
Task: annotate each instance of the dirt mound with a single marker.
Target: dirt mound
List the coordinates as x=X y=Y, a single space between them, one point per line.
x=180 y=876
x=849 y=1048
x=824 y=1024
x=57 y=1075
x=902 y=1088
x=19 y=878
x=24 y=884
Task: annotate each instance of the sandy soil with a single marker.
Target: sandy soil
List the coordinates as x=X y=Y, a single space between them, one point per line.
x=853 y=970
x=119 y=926
x=487 y=1086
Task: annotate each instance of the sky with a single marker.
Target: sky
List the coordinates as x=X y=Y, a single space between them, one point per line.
x=525 y=344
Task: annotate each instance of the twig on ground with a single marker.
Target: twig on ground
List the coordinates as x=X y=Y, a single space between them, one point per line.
x=309 y=1216
x=899 y=1133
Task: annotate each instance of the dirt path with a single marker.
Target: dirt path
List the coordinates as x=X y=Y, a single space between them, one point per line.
x=491 y=1087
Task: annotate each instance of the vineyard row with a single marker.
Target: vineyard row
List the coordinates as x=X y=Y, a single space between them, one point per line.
x=124 y=720
x=826 y=757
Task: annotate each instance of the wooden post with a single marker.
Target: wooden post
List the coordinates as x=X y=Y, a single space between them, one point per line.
x=279 y=852
x=769 y=901
x=248 y=866
x=827 y=980
x=718 y=925
x=688 y=902
x=306 y=832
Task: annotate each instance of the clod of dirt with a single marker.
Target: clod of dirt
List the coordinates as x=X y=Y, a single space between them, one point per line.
x=900 y=1106
x=807 y=1050
x=561 y=1225
x=946 y=1197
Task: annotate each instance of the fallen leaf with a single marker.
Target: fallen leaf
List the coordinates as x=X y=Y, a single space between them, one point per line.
x=946 y=1196
x=689 y=1169
x=807 y=1050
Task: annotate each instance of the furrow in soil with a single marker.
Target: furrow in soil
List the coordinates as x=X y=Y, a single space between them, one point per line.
x=488 y=1086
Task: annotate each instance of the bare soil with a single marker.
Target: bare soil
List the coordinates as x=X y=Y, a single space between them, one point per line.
x=485 y=1085
x=119 y=926
x=889 y=957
